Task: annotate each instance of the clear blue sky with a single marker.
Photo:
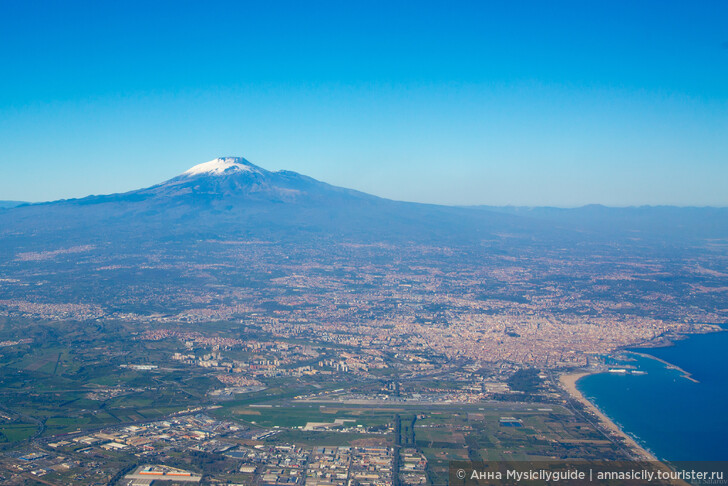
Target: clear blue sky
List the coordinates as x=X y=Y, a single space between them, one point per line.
x=526 y=103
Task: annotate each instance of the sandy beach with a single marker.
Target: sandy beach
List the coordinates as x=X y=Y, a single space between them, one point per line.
x=568 y=381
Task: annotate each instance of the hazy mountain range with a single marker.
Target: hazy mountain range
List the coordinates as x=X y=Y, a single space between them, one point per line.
x=232 y=197
x=10 y=204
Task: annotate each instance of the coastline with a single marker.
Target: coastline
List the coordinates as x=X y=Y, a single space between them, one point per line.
x=669 y=339
x=568 y=383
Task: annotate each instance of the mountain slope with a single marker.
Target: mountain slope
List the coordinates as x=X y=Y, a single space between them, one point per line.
x=230 y=197
x=234 y=198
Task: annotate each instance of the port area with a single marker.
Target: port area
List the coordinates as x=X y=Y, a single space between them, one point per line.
x=668 y=365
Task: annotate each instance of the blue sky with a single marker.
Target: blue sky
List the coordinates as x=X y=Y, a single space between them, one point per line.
x=526 y=103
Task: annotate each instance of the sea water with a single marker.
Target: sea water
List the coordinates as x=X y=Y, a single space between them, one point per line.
x=675 y=418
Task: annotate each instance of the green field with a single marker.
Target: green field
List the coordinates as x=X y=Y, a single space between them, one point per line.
x=16 y=432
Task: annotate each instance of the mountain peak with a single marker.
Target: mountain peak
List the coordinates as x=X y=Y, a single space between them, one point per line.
x=222 y=166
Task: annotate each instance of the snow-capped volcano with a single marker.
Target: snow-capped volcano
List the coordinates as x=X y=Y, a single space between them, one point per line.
x=231 y=197
x=223 y=166
x=230 y=182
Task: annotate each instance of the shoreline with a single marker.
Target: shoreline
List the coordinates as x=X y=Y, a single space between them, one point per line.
x=669 y=339
x=568 y=383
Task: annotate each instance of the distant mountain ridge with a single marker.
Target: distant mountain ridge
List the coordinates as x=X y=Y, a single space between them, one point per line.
x=702 y=222
x=232 y=197
x=11 y=204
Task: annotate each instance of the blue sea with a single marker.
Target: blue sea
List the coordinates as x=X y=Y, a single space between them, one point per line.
x=673 y=417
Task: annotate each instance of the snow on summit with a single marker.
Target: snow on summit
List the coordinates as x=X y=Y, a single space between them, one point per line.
x=222 y=166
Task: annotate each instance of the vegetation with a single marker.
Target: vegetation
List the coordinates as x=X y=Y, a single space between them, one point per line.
x=525 y=380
